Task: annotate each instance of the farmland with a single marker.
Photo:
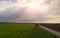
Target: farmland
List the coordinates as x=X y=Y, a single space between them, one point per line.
x=53 y=26
x=21 y=30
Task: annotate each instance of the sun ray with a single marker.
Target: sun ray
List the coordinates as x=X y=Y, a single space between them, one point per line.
x=39 y=5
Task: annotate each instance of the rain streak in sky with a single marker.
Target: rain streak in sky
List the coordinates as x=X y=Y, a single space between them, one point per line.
x=30 y=11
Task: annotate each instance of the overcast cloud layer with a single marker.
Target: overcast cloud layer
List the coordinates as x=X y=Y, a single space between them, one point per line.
x=13 y=12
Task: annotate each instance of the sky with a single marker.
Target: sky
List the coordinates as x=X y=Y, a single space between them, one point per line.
x=37 y=11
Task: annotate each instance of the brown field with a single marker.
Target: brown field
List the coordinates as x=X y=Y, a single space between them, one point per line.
x=54 y=26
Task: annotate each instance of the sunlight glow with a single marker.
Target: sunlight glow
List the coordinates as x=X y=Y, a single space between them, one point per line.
x=30 y=3
x=2 y=9
x=35 y=4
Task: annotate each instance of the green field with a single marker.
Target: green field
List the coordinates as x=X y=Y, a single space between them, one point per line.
x=15 y=30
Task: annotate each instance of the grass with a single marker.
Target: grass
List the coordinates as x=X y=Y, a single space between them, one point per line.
x=15 y=30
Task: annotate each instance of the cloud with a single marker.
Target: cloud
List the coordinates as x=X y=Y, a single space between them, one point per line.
x=8 y=1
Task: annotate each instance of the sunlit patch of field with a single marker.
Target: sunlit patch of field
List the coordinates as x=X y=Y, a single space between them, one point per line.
x=16 y=30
